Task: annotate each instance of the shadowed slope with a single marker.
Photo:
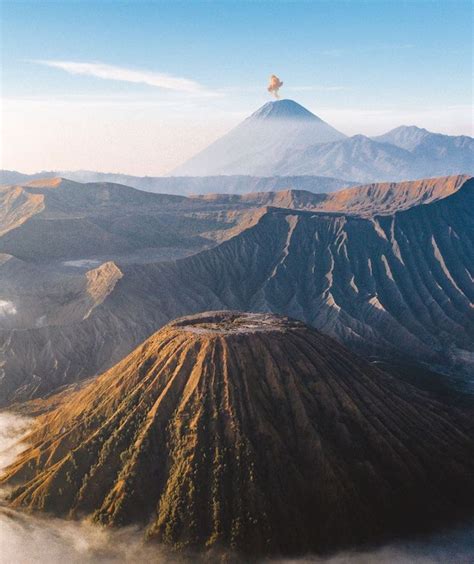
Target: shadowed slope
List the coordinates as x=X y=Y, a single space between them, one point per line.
x=252 y=432
x=59 y=220
x=394 y=286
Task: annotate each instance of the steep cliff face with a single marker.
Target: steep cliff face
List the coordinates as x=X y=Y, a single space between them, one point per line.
x=391 y=285
x=251 y=432
x=395 y=285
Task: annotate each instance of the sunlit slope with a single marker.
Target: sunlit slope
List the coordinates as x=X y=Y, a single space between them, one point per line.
x=249 y=432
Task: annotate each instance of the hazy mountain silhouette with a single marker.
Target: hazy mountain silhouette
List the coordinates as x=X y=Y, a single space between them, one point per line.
x=188 y=185
x=283 y=138
x=260 y=142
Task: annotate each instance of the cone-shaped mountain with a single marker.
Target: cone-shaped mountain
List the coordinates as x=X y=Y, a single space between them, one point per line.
x=260 y=141
x=251 y=432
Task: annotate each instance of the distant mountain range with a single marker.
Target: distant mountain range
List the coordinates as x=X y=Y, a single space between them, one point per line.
x=283 y=138
x=386 y=269
x=188 y=185
x=252 y=433
x=284 y=146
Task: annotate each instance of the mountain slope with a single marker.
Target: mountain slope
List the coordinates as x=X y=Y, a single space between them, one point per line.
x=357 y=157
x=395 y=286
x=172 y=438
x=270 y=143
x=254 y=146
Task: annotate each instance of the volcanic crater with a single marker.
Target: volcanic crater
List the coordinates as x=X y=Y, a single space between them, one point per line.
x=249 y=432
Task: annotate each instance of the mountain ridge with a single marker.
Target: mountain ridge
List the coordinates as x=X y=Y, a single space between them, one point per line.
x=188 y=185
x=391 y=286
x=398 y=155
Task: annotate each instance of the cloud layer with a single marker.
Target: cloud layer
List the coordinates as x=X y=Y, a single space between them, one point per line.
x=7 y=308
x=122 y=74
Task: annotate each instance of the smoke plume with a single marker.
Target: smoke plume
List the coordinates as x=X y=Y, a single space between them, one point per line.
x=274 y=85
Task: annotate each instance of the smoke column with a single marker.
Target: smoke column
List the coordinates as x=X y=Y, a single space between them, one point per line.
x=274 y=85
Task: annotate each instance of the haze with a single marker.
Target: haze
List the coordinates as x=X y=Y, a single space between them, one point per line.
x=140 y=91
x=236 y=282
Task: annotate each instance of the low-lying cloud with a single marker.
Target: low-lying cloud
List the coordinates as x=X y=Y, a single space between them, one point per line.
x=7 y=308
x=12 y=428
x=123 y=74
x=36 y=539
x=29 y=539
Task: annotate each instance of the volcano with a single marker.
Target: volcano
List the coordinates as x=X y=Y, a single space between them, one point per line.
x=283 y=138
x=252 y=432
x=260 y=141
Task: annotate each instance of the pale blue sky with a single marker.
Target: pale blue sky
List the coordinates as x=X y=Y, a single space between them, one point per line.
x=83 y=84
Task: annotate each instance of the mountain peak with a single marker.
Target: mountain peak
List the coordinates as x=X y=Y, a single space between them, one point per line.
x=405 y=136
x=263 y=139
x=412 y=128
x=54 y=182
x=283 y=110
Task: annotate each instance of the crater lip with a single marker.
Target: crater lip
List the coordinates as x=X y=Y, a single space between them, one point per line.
x=234 y=322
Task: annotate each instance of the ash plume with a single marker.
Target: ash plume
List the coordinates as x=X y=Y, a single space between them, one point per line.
x=274 y=85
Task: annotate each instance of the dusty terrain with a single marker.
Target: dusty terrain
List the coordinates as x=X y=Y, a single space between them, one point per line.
x=251 y=432
x=386 y=269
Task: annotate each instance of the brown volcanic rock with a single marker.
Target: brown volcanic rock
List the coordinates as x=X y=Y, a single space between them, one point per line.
x=251 y=432
x=390 y=197
x=393 y=286
x=57 y=219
